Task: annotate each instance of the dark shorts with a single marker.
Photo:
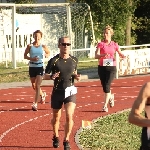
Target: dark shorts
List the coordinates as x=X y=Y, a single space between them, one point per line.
x=34 y=71
x=58 y=99
x=145 y=142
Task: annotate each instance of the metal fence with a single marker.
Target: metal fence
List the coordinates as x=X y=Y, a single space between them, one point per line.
x=53 y=19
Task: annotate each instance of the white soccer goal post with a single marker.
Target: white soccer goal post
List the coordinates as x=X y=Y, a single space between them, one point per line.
x=53 y=19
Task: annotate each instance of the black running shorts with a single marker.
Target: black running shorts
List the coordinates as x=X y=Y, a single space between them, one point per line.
x=58 y=99
x=34 y=71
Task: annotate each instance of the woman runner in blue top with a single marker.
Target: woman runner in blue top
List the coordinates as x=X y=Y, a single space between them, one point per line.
x=36 y=53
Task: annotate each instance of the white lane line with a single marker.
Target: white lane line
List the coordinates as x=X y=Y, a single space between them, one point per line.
x=13 y=109
x=22 y=123
x=32 y=119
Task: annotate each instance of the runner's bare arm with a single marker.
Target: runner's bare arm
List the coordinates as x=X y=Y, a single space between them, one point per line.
x=27 y=51
x=47 y=51
x=50 y=76
x=120 y=53
x=46 y=76
x=77 y=76
x=98 y=55
x=135 y=116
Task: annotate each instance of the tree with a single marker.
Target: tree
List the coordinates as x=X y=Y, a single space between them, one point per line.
x=128 y=25
x=142 y=22
x=112 y=12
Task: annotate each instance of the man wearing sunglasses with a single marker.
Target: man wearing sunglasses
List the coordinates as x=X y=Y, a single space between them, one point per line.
x=62 y=68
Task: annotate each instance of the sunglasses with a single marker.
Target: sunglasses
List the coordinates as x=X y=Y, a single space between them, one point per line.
x=65 y=44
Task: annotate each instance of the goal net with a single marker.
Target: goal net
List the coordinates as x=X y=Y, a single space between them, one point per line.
x=53 y=19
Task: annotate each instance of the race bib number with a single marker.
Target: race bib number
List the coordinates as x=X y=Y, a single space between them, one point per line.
x=108 y=62
x=70 y=91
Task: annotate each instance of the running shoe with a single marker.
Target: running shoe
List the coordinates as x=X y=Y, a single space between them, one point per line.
x=105 y=109
x=111 y=101
x=34 y=107
x=55 y=142
x=66 y=145
x=43 y=98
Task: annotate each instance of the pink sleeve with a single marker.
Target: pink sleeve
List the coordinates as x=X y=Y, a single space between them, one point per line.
x=116 y=46
x=99 y=45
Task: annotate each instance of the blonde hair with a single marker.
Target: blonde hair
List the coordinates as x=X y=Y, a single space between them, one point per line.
x=108 y=27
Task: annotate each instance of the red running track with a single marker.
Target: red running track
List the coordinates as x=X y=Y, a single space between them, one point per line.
x=23 y=129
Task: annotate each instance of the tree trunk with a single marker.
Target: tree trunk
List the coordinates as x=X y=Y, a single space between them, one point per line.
x=128 y=25
x=128 y=30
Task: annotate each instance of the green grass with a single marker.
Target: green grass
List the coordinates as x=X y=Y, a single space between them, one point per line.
x=13 y=75
x=111 y=133
x=21 y=73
